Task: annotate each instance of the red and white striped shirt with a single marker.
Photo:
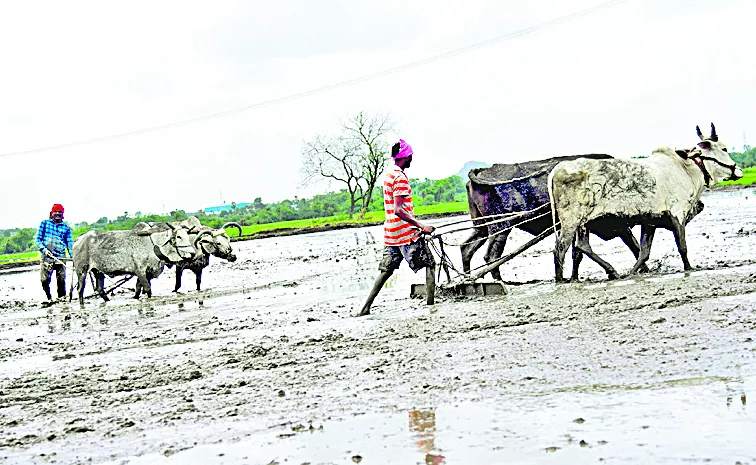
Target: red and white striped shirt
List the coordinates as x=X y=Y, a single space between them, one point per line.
x=396 y=231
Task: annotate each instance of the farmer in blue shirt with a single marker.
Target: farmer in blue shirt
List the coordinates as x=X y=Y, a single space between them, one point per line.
x=53 y=239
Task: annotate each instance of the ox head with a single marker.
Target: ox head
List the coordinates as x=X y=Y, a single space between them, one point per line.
x=173 y=245
x=711 y=156
x=216 y=242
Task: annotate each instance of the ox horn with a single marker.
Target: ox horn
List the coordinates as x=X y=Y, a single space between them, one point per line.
x=714 y=135
x=170 y=225
x=232 y=224
x=201 y=234
x=698 y=131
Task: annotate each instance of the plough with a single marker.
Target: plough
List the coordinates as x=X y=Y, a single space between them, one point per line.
x=467 y=283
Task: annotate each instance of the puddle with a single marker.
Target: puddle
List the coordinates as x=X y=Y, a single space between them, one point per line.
x=688 y=420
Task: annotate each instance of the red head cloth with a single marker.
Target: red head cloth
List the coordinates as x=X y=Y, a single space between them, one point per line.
x=56 y=208
x=405 y=151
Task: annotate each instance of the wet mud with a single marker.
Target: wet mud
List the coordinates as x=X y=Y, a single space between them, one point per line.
x=269 y=365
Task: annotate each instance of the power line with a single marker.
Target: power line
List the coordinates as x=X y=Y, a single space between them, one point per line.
x=353 y=81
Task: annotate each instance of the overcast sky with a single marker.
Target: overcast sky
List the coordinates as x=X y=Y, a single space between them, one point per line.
x=623 y=80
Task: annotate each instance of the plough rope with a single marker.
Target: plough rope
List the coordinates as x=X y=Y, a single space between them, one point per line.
x=503 y=218
x=502 y=231
x=497 y=215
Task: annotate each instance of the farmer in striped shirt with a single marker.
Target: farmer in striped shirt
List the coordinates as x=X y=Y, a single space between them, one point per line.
x=401 y=231
x=53 y=239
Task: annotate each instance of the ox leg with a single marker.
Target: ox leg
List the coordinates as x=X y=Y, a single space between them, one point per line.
x=632 y=244
x=647 y=238
x=577 y=256
x=82 y=278
x=678 y=229
x=472 y=245
x=99 y=284
x=563 y=243
x=198 y=276
x=179 y=272
x=585 y=246
x=143 y=283
x=495 y=250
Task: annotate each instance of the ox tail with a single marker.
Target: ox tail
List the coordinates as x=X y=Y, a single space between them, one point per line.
x=472 y=206
x=552 y=203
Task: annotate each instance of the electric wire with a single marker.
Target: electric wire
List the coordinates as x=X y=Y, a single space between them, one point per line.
x=330 y=87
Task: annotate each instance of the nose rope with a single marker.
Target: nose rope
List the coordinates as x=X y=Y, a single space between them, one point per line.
x=707 y=176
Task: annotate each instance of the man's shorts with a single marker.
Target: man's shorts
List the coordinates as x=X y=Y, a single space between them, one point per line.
x=46 y=268
x=416 y=254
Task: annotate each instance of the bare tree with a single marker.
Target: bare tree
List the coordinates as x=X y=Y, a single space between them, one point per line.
x=356 y=158
x=334 y=159
x=369 y=133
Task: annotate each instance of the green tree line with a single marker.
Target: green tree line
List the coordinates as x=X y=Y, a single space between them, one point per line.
x=425 y=192
x=746 y=158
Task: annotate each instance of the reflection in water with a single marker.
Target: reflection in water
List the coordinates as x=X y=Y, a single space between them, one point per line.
x=422 y=425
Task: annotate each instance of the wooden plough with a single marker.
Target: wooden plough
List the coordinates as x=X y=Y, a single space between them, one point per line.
x=466 y=284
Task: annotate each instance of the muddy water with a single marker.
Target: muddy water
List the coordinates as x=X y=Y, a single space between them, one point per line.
x=268 y=365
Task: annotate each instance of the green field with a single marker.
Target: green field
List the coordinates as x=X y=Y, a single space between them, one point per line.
x=749 y=177
x=368 y=219
x=19 y=257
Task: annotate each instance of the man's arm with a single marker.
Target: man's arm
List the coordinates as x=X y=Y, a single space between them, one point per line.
x=39 y=239
x=403 y=214
x=69 y=242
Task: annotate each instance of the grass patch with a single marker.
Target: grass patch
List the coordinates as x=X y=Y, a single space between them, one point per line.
x=450 y=207
x=369 y=218
x=749 y=178
x=19 y=257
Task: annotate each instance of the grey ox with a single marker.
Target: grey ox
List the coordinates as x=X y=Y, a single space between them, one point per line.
x=208 y=241
x=140 y=252
x=662 y=191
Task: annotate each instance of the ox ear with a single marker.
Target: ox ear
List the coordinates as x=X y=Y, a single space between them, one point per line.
x=700 y=134
x=173 y=246
x=705 y=145
x=714 y=135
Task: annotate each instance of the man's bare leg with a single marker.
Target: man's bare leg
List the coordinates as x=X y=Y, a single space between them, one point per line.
x=430 y=284
x=379 y=282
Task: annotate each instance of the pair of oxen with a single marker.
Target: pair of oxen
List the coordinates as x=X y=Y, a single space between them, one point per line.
x=596 y=193
x=144 y=250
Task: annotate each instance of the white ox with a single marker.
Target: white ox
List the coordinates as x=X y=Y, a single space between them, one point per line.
x=661 y=191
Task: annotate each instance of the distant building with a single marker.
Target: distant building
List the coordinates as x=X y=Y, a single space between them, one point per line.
x=229 y=207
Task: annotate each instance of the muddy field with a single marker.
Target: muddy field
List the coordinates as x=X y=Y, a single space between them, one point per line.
x=268 y=364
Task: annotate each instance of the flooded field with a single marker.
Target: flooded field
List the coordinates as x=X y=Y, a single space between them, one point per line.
x=269 y=365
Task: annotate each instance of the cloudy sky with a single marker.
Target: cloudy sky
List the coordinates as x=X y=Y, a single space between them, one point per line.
x=622 y=80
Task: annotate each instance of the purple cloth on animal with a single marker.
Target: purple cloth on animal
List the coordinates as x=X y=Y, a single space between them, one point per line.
x=405 y=150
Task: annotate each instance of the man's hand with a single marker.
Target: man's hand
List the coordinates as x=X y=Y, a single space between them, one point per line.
x=426 y=229
x=49 y=254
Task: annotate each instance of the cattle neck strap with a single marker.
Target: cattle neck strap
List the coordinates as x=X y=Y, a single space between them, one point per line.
x=699 y=163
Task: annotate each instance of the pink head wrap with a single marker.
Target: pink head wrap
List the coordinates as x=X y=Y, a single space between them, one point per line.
x=405 y=151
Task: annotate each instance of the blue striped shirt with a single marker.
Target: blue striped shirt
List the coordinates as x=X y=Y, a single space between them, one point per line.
x=56 y=237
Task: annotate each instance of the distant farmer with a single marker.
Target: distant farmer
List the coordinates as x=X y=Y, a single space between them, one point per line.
x=401 y=231
x=53 y=239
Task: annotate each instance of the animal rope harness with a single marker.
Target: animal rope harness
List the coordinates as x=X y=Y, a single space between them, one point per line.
x=699 y=159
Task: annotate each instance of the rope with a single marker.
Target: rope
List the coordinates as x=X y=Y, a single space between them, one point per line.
x=478 y=218
x=502 y=231
x=447 y=263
